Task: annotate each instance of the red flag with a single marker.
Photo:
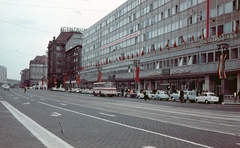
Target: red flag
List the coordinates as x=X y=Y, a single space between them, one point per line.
x=160 y=48
x=167 y=46
x=219 y=33
x=142 y=53
x=193 y=38
x=137 y=54
x=106 y=61
x=175 y=44
x=183 y=40
x=78 y=79
x=132 y=56
x=137 y=79
x=64 y=79
x=236 y=30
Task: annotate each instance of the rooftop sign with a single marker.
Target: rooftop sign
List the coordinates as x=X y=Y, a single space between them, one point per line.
x=72 y=29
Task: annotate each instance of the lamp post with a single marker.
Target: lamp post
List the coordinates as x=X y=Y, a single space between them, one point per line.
x=223 y=47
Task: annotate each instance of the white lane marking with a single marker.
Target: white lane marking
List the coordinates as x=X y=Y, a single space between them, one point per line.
x=148 y=147
x=107 y=114
x=56 y=114
x=63 y=104
x=128 y=126
x=46 y=137
x=26 y=103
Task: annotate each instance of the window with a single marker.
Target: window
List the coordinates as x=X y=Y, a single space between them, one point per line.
x=228 y=7
x=220 y=10
x=213 y=12
x=213 y=31
x=203 y=58
x=210 y=57
x=228 y=27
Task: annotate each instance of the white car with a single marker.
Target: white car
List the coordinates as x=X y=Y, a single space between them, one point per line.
x=140 y=95
x=161 y=95
x=207 y=97
x=5 y=87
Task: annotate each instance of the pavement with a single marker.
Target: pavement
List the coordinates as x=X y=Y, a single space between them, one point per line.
x=231 y=101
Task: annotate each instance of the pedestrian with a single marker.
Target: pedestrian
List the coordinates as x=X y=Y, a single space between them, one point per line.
x=221 y=98
x=187 y=101
x=238 y=94
x=24 y=89
x=181 y=96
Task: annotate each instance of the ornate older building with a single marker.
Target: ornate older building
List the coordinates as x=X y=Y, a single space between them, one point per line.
x=68 y=39
x=38 y=70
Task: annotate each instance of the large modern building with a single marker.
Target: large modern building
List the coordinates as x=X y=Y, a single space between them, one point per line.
x=3 y=75
x=38 y=70
x=173 y=43
x=67 y=40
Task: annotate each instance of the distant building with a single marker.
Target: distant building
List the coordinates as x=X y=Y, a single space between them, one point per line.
x=24 y=78
x=67 y=39
x=38 y=71
x=13 y=83
x=3 y=74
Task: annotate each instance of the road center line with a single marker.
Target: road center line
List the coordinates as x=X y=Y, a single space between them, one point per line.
x=46 y=137
x=132 y=127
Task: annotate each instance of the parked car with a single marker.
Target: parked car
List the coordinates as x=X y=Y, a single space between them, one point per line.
x=161 y=95
x=150 y=94
x=207 y=97
x=188 y=95
x=140 y=95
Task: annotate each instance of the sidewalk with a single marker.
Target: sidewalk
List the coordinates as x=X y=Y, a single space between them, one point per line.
x=231 y=101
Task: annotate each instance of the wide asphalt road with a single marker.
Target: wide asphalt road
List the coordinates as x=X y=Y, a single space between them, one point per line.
x=43 y=118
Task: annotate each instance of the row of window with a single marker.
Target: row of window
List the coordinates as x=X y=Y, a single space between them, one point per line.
x=226 y=28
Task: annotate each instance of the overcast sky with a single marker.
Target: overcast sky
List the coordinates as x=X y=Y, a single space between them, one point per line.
x=26 y=26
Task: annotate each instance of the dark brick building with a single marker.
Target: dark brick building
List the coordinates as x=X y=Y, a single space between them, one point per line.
x=57 y=56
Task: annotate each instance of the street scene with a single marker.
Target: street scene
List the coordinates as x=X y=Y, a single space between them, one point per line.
x=44 y=118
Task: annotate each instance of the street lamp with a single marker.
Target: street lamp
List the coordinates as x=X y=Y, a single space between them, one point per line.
x=223 y=47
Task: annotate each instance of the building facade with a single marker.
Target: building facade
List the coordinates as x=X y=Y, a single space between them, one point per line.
x=38 y=71
x=68 y=39
x=173 y=43
x=73 y=64
x=24 y=78
x=3 y=75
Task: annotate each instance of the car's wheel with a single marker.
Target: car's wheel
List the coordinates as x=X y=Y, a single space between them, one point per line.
x=206 y=101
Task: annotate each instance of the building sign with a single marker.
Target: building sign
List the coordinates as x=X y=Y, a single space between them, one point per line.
x=180 y=71
x=156 y=73
x=220 y=38
x=165 y=72
x=72 y=29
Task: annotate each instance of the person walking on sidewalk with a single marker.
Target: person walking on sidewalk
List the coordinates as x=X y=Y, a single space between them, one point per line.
x=181 y=96
x=238 y=94
x=221 y=98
